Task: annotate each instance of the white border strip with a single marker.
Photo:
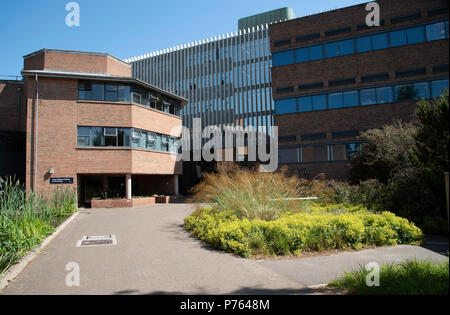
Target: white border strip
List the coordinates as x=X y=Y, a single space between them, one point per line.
x=17 y=268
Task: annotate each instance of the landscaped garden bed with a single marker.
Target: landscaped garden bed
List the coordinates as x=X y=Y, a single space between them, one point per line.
x=253 y=214
x=26 y=219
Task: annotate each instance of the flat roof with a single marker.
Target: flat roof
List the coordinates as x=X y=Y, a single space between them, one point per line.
x=62 y=51
x=101 y=77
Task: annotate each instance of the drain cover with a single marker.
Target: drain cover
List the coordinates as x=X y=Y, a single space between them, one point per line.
x=101 y=240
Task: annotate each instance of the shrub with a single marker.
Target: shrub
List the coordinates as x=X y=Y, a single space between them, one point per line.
x=412 y=277
x=249 y=193
x=294 y=233
x=26 y=219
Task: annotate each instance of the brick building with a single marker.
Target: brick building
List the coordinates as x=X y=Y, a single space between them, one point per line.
x=334 y=77
x=97 y=128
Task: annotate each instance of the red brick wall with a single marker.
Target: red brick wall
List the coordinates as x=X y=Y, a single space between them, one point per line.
x=79 y=62
x=57 y=131
x=350 y=16
x=8 y=106
x=355 y=66
x=59 y=115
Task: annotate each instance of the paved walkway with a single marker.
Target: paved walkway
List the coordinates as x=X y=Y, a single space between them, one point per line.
x=155 y=255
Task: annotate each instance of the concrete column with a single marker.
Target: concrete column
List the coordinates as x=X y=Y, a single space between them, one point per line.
x=128 y=185
x=175 y=183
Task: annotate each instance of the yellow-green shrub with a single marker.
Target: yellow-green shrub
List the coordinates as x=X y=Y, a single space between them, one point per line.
x=294 y=233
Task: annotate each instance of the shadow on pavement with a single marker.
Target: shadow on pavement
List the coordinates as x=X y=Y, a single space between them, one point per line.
x=437 y=244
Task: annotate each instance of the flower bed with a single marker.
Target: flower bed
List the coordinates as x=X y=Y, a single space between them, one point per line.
x=293 y=234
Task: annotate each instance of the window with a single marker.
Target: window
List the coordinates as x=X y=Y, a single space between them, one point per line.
x=282 y=42
x=282 y=58
x=352 y=149
x=301 y=55
x=123 y=93
x=363 y=44
x=368 y=97
x=335 y=100
x=98 y=92
x=398 y=38
x=314 y=136
x=331 y=50
x=315 y=52
x=291 y=138
x=350 y=98
x=307 y=37
x=307 y=154
x=347 y=47
x=84 y=135
x=338 y=152
x=384 y=95
x=338 y=31
x=345 y=134
x=341 y=82
x=422 y=90
x=439 y=87
x=436 y=31
x=319 y=102
x=165 y=143
x=380 y=41
x=166 y=106
x=111 y=92
x=405 y=92
x=305 y=104
x=415 y=35
x=286 y=106
x=288 y=89
x=409 y=72
x=84 y=90
x=309 y=86
x=288 y=155
x=151 y=140
x=321 y=153
x=375 y=77
x=110 y=137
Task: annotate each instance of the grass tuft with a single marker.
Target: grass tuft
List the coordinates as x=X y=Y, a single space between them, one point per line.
x=412 y=277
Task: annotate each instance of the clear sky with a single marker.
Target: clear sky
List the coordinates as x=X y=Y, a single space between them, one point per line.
x=128 y=28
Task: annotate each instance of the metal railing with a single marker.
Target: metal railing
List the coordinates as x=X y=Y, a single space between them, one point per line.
x=10 y=77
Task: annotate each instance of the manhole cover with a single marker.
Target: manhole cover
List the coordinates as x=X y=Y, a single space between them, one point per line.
x=102 y=240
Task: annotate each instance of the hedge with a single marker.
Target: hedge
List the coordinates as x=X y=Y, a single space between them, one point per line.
x=293 y=234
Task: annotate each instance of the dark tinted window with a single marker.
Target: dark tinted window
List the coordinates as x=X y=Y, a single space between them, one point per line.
x=315 y=52
x=363 y=44
x=286 y=106
x=331 y=50
x=380 y=41
x=416 y=35
x=282 y=58
x=347 y=47
x=305 y=104
x=301 y=55
x=319 y=102
x=350 y=98
x=398 y=38
x=335 y=100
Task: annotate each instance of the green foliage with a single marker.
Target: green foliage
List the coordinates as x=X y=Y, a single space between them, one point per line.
x=401 y=167
x=321 y=229
x=27 y=218
x=248 y=193
x=412 y=277
x=432 y=136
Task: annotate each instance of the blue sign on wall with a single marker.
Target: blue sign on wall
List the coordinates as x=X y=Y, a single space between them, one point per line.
x=61 y=180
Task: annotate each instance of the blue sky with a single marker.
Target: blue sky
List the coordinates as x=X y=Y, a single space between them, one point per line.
x=128 y=28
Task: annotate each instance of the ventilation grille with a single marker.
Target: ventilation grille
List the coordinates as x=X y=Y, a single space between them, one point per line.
x=102 y=240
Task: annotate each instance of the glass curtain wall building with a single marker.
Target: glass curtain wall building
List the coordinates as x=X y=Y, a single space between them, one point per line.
x=226 y=79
